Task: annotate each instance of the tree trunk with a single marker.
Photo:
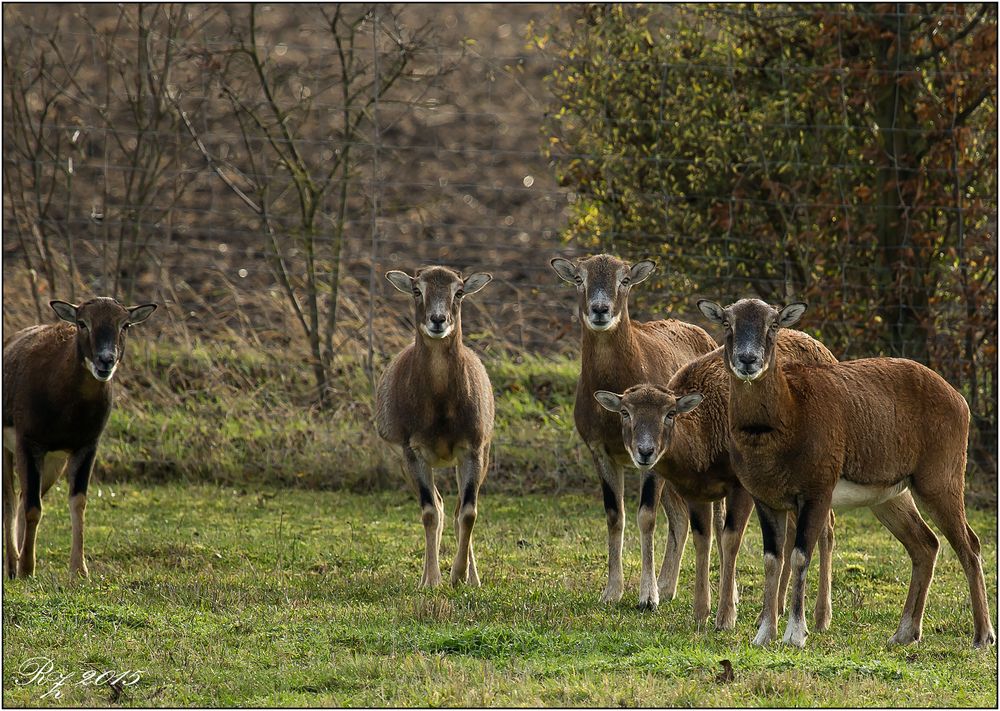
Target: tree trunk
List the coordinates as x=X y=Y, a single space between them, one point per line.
x=905 y=299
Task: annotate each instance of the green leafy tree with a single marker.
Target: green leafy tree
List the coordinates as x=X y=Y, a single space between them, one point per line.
x=841 y=154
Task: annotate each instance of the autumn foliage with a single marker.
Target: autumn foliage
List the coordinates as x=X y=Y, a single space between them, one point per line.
x=843 y=155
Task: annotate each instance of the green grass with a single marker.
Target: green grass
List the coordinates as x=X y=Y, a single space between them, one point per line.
x=224 y=596
x=231 y=416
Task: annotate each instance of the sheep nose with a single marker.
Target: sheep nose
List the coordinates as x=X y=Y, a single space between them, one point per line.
x=600 y=309
x=437 y=320
x=747 y=358
x=645 y=451
x=105 y=361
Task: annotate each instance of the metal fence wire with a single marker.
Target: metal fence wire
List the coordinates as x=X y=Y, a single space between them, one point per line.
x=258 y=168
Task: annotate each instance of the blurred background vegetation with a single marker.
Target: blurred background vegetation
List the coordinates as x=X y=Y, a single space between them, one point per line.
x=257 y=168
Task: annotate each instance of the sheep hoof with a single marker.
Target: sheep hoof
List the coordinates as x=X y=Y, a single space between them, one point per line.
x=985 y=641
x=647 y=606
x=822 y=621
x=725 y=619
x=764 y=636
x=430 y=581
x=667 y=592
x=795 y=635
x=611 y=594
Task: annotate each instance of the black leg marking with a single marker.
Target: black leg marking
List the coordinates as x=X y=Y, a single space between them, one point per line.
x=768 y=530
x=647 y=498
x=610 y=498
x=805 y=511
x=698 y=526
x=425 y=494
x=730 y=522
x=80 y=477
x=470 y=494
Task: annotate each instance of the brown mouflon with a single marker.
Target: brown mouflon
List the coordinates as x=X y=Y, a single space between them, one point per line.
x=810 y=438
x=56 y=401
x=687 y=442
x=617 y=353
x=435 y=404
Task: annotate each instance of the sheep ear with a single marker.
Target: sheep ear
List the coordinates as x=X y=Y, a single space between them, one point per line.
x=640 y=271
x=138 y=314
x=791 y=314
x=689 y=402
x=608 y=400
x=566 y=270
x=713 y=312
x=64 y=310
x=475 y=282
x=400 y=280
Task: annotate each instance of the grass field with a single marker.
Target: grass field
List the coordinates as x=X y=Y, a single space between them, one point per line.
x=233 y=597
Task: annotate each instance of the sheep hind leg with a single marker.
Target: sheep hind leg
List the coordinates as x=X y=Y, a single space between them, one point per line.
x=470 y=473
x=28 y=465
x=786 y=556
x=738 y=507
x=677 y=519
x=901 y=517
x=823 y=612
x=947 y=510
x=9 y=514
x=701 y=527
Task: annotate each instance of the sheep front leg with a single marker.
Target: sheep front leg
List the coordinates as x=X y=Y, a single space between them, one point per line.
x=649 y=500
x=431 y=514
x=471 y=472
x=81 y=464
x=814 y=517
x=772 y=528
x=613 y=489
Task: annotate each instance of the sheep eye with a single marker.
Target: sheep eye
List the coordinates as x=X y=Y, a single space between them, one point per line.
x=625 y=415
x=670 y=415
x=626 y=281
x=82 y=325
x=459 y=294
x=725 y=324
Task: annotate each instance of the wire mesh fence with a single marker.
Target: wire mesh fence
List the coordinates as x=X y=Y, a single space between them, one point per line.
x=256 y=169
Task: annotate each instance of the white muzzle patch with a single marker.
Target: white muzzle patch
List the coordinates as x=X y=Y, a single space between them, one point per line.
x=747 y=377
x=606 y=326
x=93 y=370
x=444 y=333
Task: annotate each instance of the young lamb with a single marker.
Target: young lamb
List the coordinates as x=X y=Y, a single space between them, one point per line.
x=811 y=437
x=435 y=404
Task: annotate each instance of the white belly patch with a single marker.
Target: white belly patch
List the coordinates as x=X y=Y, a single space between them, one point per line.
x=848 y=495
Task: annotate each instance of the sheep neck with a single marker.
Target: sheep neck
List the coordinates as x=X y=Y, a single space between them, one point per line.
x=762 y=405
